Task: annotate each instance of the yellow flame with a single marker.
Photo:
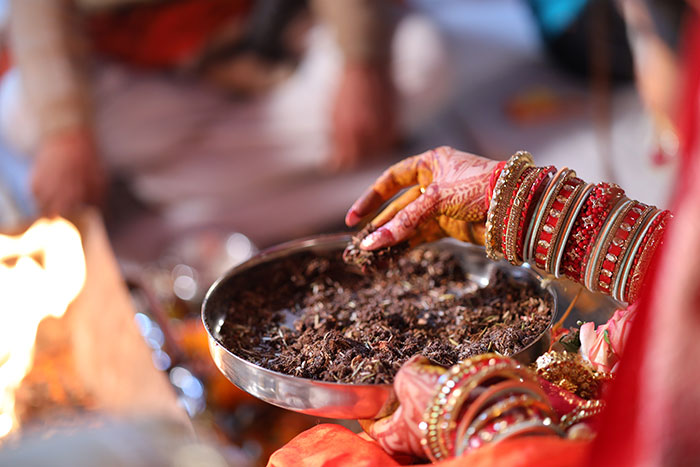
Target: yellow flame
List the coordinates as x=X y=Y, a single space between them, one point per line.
x=41 y=272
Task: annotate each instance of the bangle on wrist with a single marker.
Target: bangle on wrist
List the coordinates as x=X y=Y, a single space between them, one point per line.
x=546 y=217
x=503 y=190
x=569 y=223
x=641 y=253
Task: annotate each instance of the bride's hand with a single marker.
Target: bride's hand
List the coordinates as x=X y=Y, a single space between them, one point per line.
x=399 y=433
x=447 y=196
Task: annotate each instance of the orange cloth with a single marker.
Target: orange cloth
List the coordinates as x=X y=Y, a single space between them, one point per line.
x=333 y=445
x=328 y=446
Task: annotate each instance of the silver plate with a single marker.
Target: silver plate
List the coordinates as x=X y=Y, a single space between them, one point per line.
x=339 y=400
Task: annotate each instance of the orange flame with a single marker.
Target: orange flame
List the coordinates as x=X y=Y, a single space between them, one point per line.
x=41 y=272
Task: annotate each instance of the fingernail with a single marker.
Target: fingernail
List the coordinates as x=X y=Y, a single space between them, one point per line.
x=377 y=239
x=352 y=218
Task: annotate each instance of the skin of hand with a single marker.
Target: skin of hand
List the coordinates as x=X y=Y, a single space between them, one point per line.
x=414 y=385
x=364 y=116
x=446 y=196
x=67 y=173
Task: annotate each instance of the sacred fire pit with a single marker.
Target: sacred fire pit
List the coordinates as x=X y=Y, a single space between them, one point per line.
x=447 y=302
x=62 y=299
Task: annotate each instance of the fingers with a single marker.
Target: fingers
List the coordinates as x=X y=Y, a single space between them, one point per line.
x=479 y=232
x=427 y=232
x=395 y=206
x=405 y=222
x=459 y=229
x=414 y=386
x=400 y=175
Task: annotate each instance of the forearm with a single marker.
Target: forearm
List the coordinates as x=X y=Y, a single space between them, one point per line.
x=591 y=234
x=362 y=28
x=48 y=52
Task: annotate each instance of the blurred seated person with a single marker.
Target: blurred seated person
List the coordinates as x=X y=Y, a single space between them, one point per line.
x=199 y=102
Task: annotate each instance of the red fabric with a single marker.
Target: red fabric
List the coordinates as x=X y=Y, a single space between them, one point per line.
x=333 y=445
x=162 y=35
x=544 y=451
x=655 y=395
x=687 y=120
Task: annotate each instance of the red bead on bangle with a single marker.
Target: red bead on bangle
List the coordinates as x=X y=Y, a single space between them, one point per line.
x=619 y=243
x=547 y=233
x=587 y=227
x=642 y=257
x=528 y=206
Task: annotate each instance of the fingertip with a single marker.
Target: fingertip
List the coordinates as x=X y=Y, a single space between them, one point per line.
x=352 y=218
x=377 y=239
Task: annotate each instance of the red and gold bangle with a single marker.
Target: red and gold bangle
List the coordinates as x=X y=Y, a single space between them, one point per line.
x=503 y=190
x=616 y=255
x=586 y=410
x=586 y=229
x=569 y=222
x=594 y=257
x=518 y=421
x=562 y=205
x=500 y=408
x=542 y=210
x=625 y=262
x=435 y=431
x=463 y=391
x=642 y=254
x=602 y=256
x=545 y=231
x=491 y=396
x=510 y=232
x=531 y=426
x=528 y=208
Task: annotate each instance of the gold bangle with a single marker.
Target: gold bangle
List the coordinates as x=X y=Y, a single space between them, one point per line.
x=505 y=185
x=546 y=426
x=455 y=378
x=585 y=410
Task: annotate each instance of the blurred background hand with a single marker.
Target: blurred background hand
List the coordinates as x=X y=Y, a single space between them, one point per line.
x=67 y=173
x=364 y=116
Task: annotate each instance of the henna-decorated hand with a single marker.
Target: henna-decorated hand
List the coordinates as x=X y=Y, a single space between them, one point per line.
x=414 y=385
x=448 y=199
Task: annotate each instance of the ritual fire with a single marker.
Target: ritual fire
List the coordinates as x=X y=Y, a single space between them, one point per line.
x=41 y=272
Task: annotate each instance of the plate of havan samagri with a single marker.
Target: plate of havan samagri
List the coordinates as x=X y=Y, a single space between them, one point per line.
x=298 y=327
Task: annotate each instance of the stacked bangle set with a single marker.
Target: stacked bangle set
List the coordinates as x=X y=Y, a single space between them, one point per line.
x=484 y=399
x=592 y=234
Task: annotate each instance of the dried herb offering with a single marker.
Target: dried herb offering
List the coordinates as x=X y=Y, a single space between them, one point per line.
x=313 y=316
